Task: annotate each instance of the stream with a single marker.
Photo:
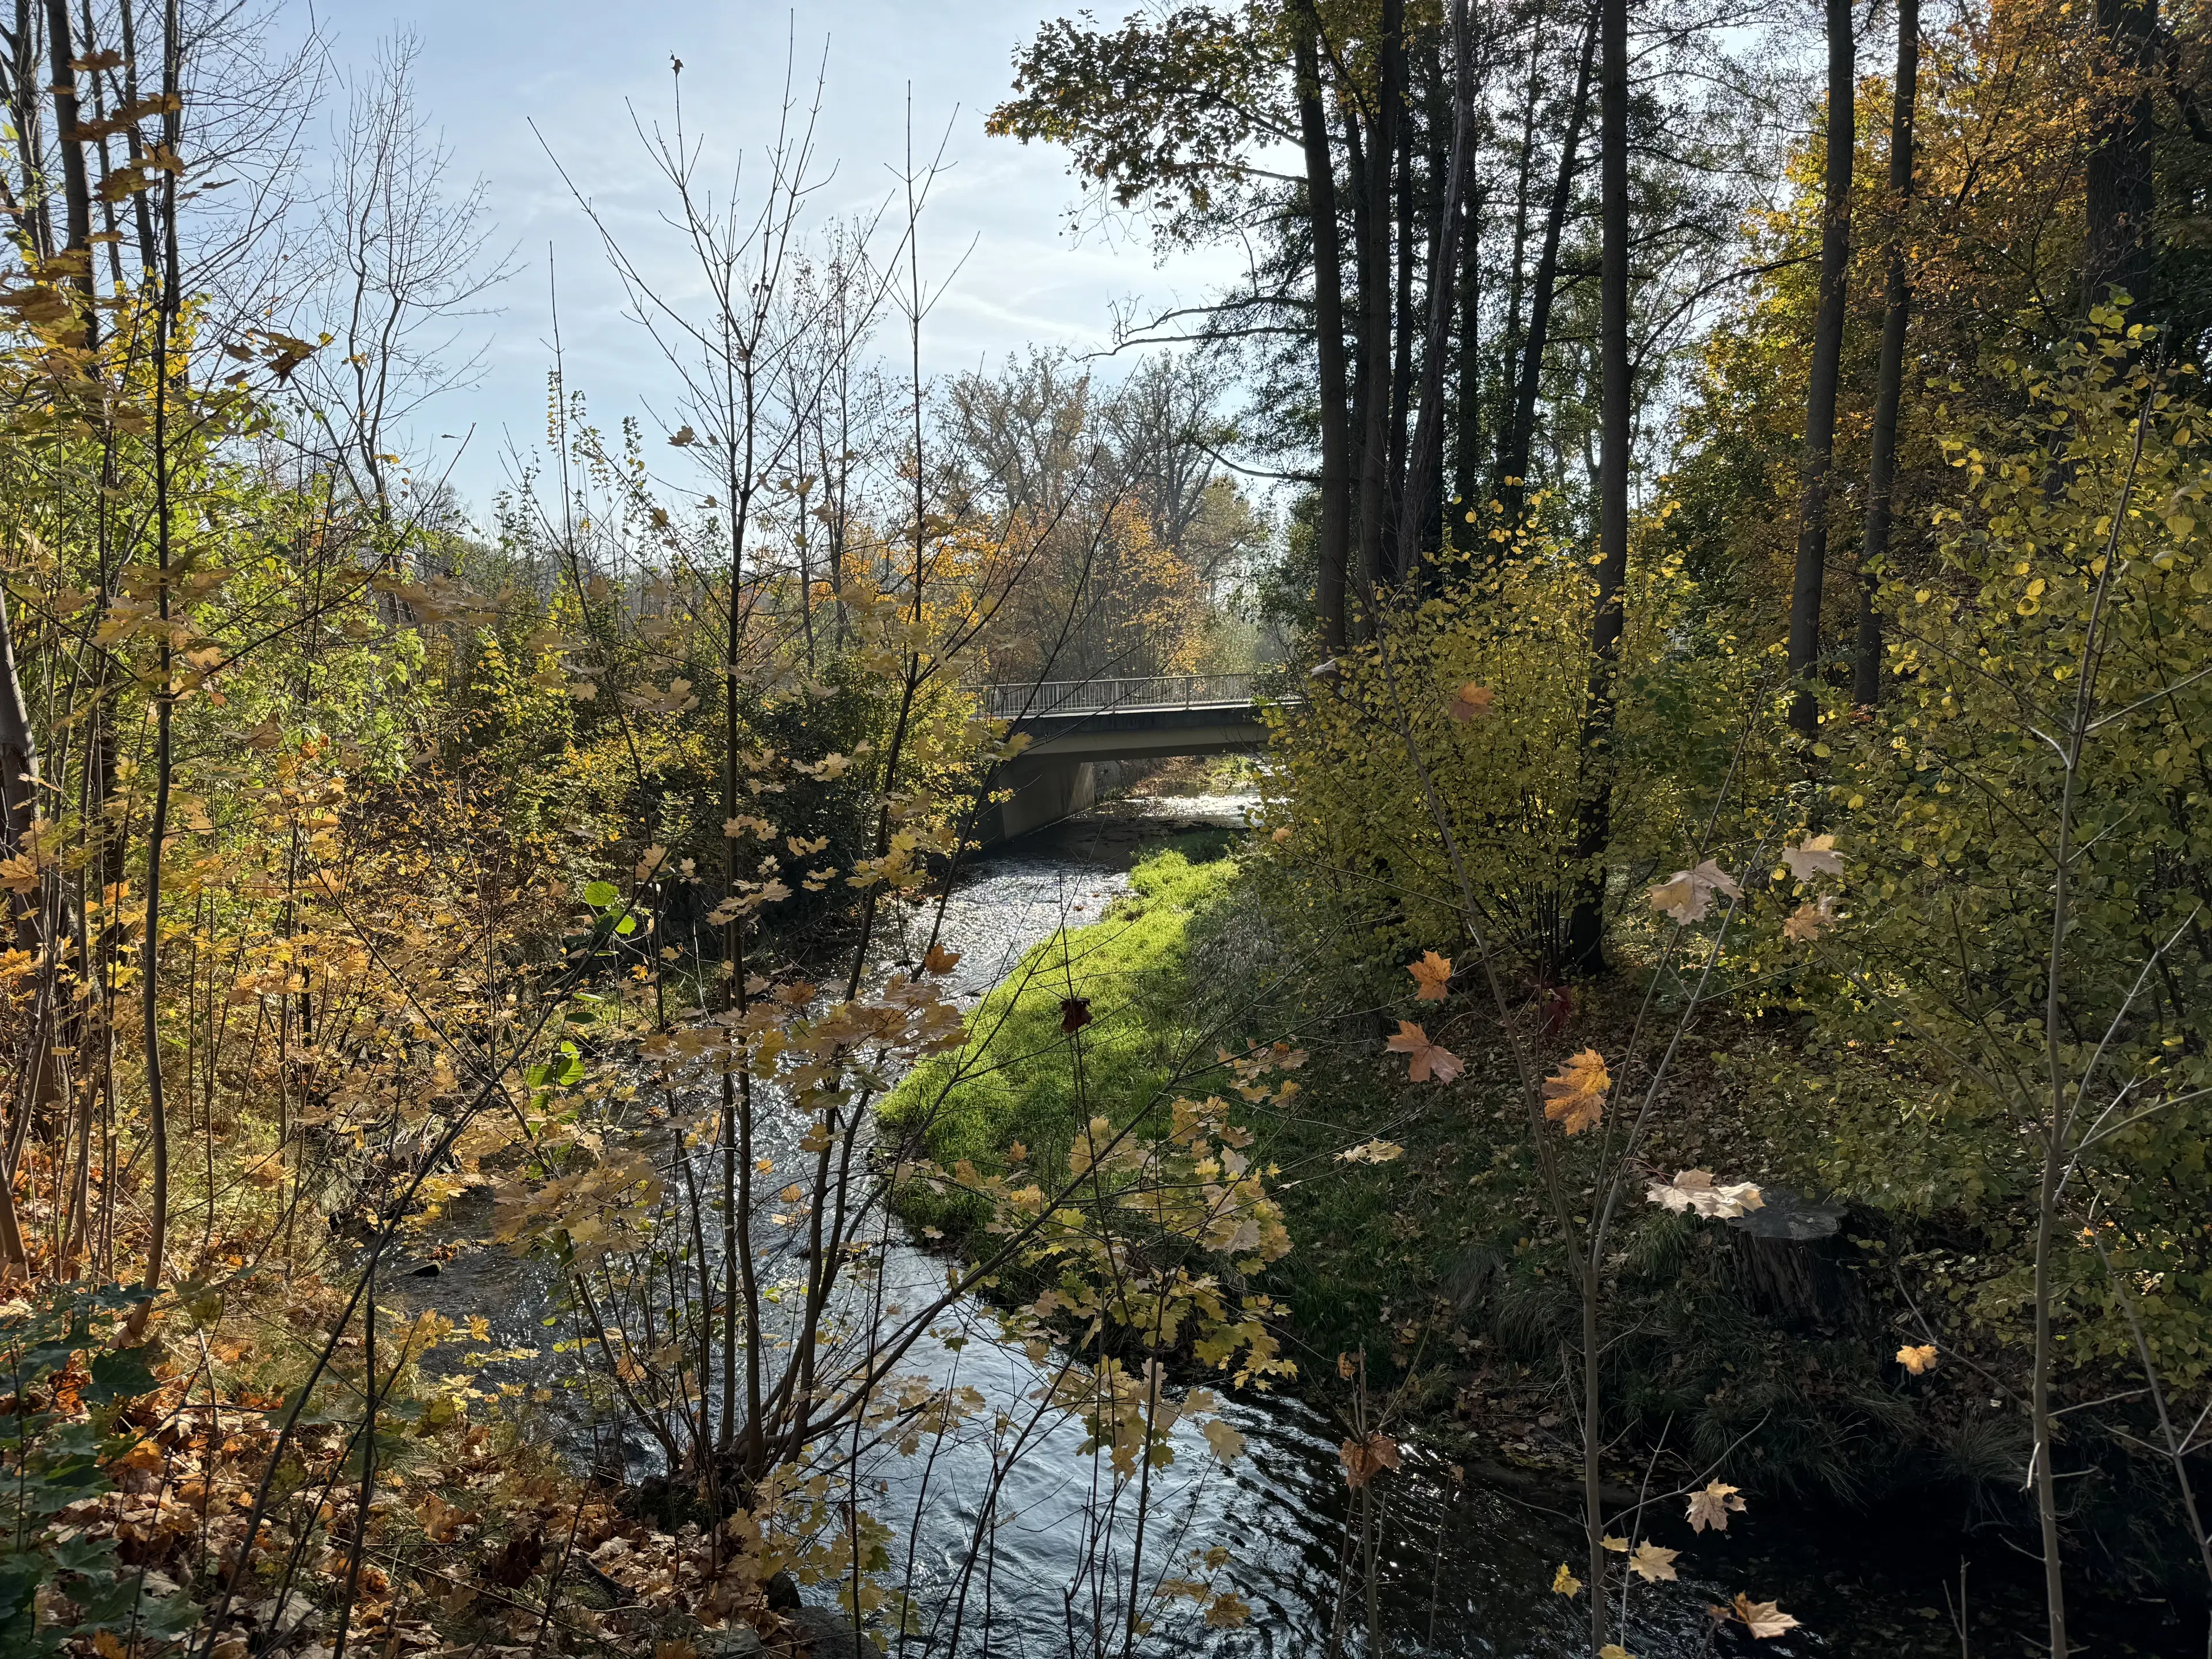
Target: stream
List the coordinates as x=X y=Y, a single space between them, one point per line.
x=1464 y=1568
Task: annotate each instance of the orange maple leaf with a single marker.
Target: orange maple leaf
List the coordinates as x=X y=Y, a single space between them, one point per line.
x=1574 y=1096
x=1471 y=703
x=938 y=960
x=1433 y=974
x=1429 y=1059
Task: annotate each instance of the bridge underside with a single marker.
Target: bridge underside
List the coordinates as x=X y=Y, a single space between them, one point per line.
x=1054 y=778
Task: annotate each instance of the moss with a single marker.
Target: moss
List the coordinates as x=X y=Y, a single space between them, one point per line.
x=1024 y=1081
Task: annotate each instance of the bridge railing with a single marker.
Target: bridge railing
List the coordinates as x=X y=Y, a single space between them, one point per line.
x=1108 y=696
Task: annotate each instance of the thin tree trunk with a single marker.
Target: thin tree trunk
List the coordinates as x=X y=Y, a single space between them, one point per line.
x=1415 y=517
x=1889 y=378
x=1520 y=430
x=1809 y=577
x=1328 y=335
x=1375 y=308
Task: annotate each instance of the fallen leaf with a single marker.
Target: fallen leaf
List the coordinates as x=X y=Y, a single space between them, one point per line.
x=1429 y=1059
x=1574 y=1096
x=1074 y=1014
x=1688 y=894
x=1564 y=1582
x=1371 y=1152
x=1816 y=857
x=1652 y=1563
x=1696 y=1189
x=1710 y=1507
x=1917 y=1360
x=1761 y=1618
x=1432 y=974
x=1470 y=702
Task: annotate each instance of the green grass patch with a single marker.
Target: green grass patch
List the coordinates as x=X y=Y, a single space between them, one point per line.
x=1022 y=1080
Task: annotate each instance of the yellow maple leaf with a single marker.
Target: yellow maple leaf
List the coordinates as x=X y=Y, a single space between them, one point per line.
x=1917 y=1360
x=1574 y=1096
x=1564 y=1582
x=1653 y=1563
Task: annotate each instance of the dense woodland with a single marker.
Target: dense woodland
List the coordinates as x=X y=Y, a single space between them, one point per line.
x=1708 y=1023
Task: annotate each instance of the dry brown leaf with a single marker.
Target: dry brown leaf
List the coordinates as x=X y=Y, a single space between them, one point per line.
x=1761 y=1618
x=1688 y=894
x=1429 y=1059
x=1710 y=1507
x=1363 y=1460
x=1918 y=1360
x=1805 y=923
x=1652 y=1563
x=1816 y=857
x=1696 y=1189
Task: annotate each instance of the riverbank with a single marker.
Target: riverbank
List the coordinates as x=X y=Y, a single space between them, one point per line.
x=1763 y=1361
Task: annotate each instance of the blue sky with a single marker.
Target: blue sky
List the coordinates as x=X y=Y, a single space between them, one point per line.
x=488 y=68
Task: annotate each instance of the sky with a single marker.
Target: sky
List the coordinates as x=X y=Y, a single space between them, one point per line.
x=997 y=225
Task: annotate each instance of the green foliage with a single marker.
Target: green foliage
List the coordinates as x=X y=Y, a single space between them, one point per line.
x=1017 y=1081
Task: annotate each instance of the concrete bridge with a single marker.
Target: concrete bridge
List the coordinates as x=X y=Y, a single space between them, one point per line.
x=1073 y=725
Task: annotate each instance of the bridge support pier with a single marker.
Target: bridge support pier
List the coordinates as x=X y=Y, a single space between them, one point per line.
x=1046 y=789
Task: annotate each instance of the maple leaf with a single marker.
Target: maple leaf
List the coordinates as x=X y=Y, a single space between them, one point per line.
x=1470 y=702
x=1917 y=1360
x=1696 y=1189
x=938 y=960
x=1688 y=894
x=1615 y=1651
x=1574 y=1096
x=1652 y=1563
x=1228 y=1611
x=1804 y=924
x=1710 y=1507
x=1433 y=974
x=1760 y=1618
x=1816 y=857
x=1617 y=1545
x=1281 y=836
x=1371 y=1152
x=1074 y=1014
x=1363 y=1460
x=1228 y=1445
x=1429 y=1059
x=683 y=437
x=1564 y=1582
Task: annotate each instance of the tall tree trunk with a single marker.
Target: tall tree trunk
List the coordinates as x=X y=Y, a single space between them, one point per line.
x=1585 y=940
x=1520 y=429
x=1516 y=271
x=1375 y=308
x=1889 y=378
x=77 y=188
x=1396 y=504
x=1415 y=515
x=1328 y=335
x=1820 y=384
x=2120 y=199
x=1467 y=436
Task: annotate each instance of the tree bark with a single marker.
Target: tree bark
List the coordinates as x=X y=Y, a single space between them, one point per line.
x=1808 y=578
x=1889 y=377
x=1328 y=334
x=2121 y=203
x=77 y=188
x=1375 y=308
x=1519 y=429
x=1414 y=517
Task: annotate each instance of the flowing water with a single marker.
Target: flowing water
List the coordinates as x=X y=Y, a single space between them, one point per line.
x=1017 y=1547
